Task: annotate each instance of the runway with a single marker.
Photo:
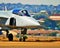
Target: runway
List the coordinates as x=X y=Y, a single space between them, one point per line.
x=9 y=44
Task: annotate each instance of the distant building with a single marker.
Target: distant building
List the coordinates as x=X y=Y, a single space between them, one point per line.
x=54 y=17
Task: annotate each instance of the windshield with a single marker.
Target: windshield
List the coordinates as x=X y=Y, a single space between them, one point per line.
x=24 y=13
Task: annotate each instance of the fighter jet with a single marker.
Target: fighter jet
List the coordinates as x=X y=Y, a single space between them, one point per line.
x=13 y=21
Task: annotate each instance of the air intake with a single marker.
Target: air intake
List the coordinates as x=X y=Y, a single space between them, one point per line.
x=12 y=21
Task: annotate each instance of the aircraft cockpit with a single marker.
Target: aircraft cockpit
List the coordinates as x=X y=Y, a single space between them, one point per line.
x=21 y=12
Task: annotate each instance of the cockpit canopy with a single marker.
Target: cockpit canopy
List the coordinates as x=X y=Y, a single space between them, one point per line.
x=21 y=12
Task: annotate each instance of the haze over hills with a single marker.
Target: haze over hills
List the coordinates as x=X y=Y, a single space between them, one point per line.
x=34 y=2
x=31 y=8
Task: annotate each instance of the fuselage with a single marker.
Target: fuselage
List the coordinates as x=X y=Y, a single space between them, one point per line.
x=21 y=21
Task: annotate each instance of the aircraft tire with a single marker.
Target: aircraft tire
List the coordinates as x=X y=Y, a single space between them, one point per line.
x=20 y=39
x=10 y=37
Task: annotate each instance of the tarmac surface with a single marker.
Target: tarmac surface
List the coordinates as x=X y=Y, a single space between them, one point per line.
x=14 y=44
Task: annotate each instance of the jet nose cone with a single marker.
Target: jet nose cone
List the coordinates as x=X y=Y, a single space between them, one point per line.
x=36 y=23
x=33 y=22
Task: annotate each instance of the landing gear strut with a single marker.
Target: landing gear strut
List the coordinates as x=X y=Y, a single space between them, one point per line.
x=7 y=32
x=23 y=33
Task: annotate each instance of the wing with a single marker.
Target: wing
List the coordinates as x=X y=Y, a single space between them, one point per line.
x=4 y=15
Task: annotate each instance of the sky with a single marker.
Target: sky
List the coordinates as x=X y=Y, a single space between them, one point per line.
x=35 y=2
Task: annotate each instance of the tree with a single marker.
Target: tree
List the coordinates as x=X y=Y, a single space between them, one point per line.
x=53 y=34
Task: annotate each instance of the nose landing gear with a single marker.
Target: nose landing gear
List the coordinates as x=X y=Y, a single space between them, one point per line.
x=23 y=34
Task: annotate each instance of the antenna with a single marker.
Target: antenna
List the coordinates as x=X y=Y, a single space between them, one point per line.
x=5 y=8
